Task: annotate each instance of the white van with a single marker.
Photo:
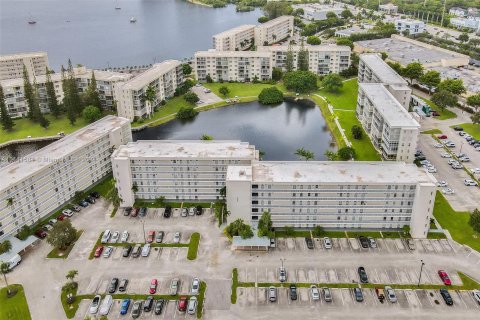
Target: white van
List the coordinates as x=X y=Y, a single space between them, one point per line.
x=106 y=236
x=106 y=305
x=14 y=261
x=146 y=250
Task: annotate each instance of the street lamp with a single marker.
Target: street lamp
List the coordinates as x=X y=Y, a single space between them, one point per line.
x=461 y=146
x=143 y=226
x=282 y=260
x=421 y=269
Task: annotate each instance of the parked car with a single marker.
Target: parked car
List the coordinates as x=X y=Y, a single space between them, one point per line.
x=124 y=306
x=127 y=211
x=380 y=294
x=106 y=305
x=106 y=236
x=134 y=212
x=282 y=274
x=112 y=287
x=95 y=194
x=469 y=182
x=47 y=227
x=445 y=278
x=309 y=242
x=273 y=243
x=363 y=275
x=95 y=304
x=67 y=212
x=176 y=237
x=153 y=286
x=137 y=250
x=411 y=244
x=125 y=236
x=174 y=284
x=142 y=212
x=52 y=222
x=159 y=306
x=184 y=212
x=126 y=251
x=159 y=237
x=182 y=304
x=90 y=200
x=448 y=191
x=272 y=294
x=357 y=292
x=98 y=251
x=61 y=217
x=115 y=237
x=150 y=236
x=192 y=305
x=327 y=243
x=315 y=293
x=458 y=128
x=191 y=211
x=136 y=309
x=293 y=292
x=107 y=252
x=392 y=297
x=476 y=295
x=475 y=170
x=148 y=304
x=123 y=285
x=76 y=208
x=363 y=242
x=327 y=294
x=168 y=212
x=146 y=250
x=442 y=136
x=446 y=296
x=442 y=183
x=83 y=203
x=199 y=210
x=372 y=242
x=195 y=286
x=40 y=234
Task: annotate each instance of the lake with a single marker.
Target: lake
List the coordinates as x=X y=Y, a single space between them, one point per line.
x=96 y=35
x=276 y=130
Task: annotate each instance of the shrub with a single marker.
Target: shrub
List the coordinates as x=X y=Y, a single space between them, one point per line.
x=262 y=19
x=357 y=132
x=332 y=82
x=277 y=74
x=300 y=81
x=191 y=97
x=318 y=231
x=313 y=40
x=475 y=220
x=346 y=153
x=186 y=113
x=270 y=96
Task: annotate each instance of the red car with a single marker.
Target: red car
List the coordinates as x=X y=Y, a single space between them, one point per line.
x=442 y=136
x=153 y=286
x=134 y=212
x=151 y=236
x=444 y=276
x=98 y=251
x=61 y=217
x=182 y=304
x=40 y=233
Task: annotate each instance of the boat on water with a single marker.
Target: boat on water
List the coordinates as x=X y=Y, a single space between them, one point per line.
x=133 y=19
x=31 y=20
x=117 y=6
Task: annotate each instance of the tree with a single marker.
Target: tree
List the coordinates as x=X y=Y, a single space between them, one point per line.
x=223 y=192
x=44 y=122
x=332 y=82
x=73 y=89
x=314 y=40
x=4 y=269
x=24 y=232
x=52 y=100
x=345 y=42
x=396 y=66
x=239 y=228
x=224 y=91
x=444 y=99
x=455 y=86
x=406 y=230
x=93 y=97
x=112 y=194
x=413 y=70
x=302 y=58
x=186 y=68
x=346 y=153
x=473 y=101
x=331 y=15
x=62 y=235
x=191 y=97
x=331 y=155
x=476 y=117
x=431 y=79
x=206 y=137
x=318 y=231
x=357 y=132
x=30 y=97
x=5 y=118
x=92 y=114
x=262 y=19
x=289 y=59
x=67 y=100
x=305 y=154
x=277 y=74
x=463 y=37
x=346 y=14
x=300 y=81
x=474 y=220
x=186 y=113
x=71 y=275
x=265 y=225
x=208 y=78
x=276 y=9
x=5 y=246
x=270 y=96
x=149 y=97
x=384 y=55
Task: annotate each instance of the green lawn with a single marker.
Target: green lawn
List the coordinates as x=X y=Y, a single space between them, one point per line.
x=15 y=307
x=444 y=115
x=193 y=246
x=456 y=222
x=25 y=127
x=432 y=131
x=240 y=89
x=472 y=129
x=345 y=98
x=171 y=107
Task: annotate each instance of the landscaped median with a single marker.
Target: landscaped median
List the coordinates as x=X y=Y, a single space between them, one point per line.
x=470 y=128
x=63 y=254
x=15 y=307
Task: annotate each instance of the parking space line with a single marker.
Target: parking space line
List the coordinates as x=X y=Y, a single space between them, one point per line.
x=461 y=299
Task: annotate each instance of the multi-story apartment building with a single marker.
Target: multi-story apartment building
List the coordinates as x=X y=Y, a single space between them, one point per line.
x=176 y=170
x=164 y=77
x=239 y=38
x=35 y=186
x=322 y=59
x=372 y=69
x=391 y=128
x=409 y=25
x=274 y=30
x=106 y=81
x=388 y=8
x=11 y=66
x=337 y=195
x=240 y=66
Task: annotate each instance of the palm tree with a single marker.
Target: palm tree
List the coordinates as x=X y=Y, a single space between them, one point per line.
x=135 y=188
x=71 y=275
x=9 y=201
x=4 y=269
x=274 y=37
x=305 y=154
x=149 y=98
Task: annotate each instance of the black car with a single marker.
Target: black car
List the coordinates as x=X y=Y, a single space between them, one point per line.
x=363 y=275
x=358 y=294
x=458 y=128
x=199 y=210
x=364 y=242
x=148 y=304
x=143 y=212
x=420 y=157
x=168 y=212
x=159 y=237
x=309 y=242
x=127 y=211
x=83 y=203
x=126 y=251
x=136 y=309
x=90 y=200
x=113 y=285
x=95 y=194
x=446 y=296
x=293 y=292
x=159 y=306
x=123 y=285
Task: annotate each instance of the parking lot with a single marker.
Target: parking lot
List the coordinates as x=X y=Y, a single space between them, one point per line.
x=205 y=97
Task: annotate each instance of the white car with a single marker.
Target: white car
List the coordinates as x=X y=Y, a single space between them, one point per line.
x=446 y=155
x=469 y=182
x=67 y=212
x=106 y=236
x=115 y=237
x=452 y=161
x=327 y=243
x=390 y=294
x=442 y=183
x=475 y=170
x=432 y=170
x=125 y=236
x=108 y=251
x=195 y=286
x=448 y=191
x=176 y=237
x=464 y=159
x=457 y=166
x=438 y=145
x=476 y=295
x=424 y=162
x=192 y=305
x=315 y=292
x=106 y=305
x=95 y=304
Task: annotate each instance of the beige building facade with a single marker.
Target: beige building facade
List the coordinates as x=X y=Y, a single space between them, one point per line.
x=11 y=66
x=274 y=30
x=236 y=39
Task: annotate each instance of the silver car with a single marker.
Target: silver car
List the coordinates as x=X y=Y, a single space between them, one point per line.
x=195 y=286
x=176 y=237
x=327 y=294
x=115 y=237
x=327 y=243
x=125 y=236
x=390 y=294
x=192 y=305
x=174 y=286
x=315 y=292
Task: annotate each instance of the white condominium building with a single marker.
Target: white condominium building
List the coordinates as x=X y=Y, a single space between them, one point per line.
x=337 y=195
x=35 y=186
x=239 y=38
x=11 y=66
x=240 y=66
x=274 y=30
x=164 y=77
x=372 y=69
x=106 y=81
x=410 y=25
x=391 y=128
x=176 y=170
x=322 y=59
x=388 y=8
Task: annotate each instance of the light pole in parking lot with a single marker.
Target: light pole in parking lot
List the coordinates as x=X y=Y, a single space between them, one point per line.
x=461 y=146
x=421 y=269
x=282 y=260
x=143 y=226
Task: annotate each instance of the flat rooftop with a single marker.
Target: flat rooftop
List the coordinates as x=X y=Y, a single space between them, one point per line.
x=470 y=76
x=144 y=78
x=405 y=52
x=349 y=172
x=354 y=29
x=382 y=69
x=40 y=159
x=188 y=149
x=241 y=28
x=313 y=48
x=37 y=54
x=240 y=54
x=392 y=111
x=273 y=22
